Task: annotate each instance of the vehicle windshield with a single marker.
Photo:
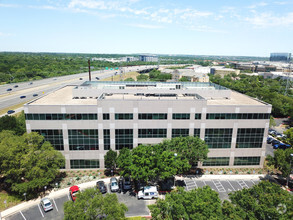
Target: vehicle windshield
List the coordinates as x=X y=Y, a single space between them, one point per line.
x=114 y=183
x=48 y=204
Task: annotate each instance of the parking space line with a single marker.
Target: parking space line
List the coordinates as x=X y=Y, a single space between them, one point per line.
x=253 y=182
x=186 y=185
x=204 y=183
x=231 y=185
x=242 y=184
x=55 y=205
x=219 y=186
x=40 y=210
x=22 y=215
x=195 y=183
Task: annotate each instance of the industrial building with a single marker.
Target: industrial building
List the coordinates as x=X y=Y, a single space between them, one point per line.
x=85 y=121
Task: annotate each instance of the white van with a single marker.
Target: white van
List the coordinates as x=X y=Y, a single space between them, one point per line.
x=148 y=192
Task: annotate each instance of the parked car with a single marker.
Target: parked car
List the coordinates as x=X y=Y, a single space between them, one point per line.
x=148 y=192
x=8 y=89
x=73 y=190
x=114 y=185
x=125 y=183
x=279 y=135
x=23 y=96
x=10 y=112
x=274 y=141
x=281 y=145
x=272 y=131
x=269 y=139
x=101 y=186
x=46 y=204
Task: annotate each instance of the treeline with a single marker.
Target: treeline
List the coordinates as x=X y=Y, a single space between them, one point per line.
x=20 y=67
x=268 y=90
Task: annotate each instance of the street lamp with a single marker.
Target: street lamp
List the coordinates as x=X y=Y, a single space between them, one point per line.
x=45 y=187
x=291 y=155
x=24 y=196
x=175 y=155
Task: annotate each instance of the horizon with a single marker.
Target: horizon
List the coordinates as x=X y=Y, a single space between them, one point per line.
x=253 y=28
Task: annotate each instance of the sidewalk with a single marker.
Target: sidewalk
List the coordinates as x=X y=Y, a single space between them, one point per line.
x=223 y=177
x=53 y=194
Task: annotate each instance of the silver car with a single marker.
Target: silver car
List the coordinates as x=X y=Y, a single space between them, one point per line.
x=114 y=187
x=46 y=204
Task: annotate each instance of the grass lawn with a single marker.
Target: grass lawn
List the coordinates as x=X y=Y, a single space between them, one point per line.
x=132 y=75
x=10 y=200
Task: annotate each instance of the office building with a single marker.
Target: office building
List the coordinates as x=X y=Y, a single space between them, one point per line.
x=282 y=57
x=148 y=58
x=85 y=121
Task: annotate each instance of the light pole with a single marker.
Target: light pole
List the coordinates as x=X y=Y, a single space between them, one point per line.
x=291 y=155
x=24 y=196
x=45 y=187
x=175 y=155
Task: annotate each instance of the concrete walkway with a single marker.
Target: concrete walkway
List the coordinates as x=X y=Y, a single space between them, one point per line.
x=62 y=192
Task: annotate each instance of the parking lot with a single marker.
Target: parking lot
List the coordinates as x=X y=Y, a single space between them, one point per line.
x=223 y=187
x=135 y=207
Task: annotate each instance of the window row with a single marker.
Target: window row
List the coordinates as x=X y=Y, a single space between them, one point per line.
x=88 y=139
x=238 y=161
x=84 y=164
x=152 y=133
x=237 y=116
x=61 y=116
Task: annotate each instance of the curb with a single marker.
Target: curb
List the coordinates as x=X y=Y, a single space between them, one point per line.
x=52 y=194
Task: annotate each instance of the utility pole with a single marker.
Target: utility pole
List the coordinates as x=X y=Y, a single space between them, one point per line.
x=89 y=62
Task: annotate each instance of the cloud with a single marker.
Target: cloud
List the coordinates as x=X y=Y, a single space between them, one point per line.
x=267 y=19
x=204 y=28
x=9 y=5
x=5 y=34
x=260 y=4
x=147 y=26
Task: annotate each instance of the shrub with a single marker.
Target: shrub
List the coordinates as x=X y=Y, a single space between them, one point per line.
x=69 y=183
x=236 y=172
x=94 y=177
x=211 y=172
x=225 y=172
x=77 y=178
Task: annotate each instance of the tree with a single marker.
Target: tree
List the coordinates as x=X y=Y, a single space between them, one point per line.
x=111 y=159
x=193 y=149
x=184 y=79
x=265 y=200
x=200 y=203
x=289 y=134
x=142 y=77
x=13 y=123
x=281 y=161
x=129 y=79
x=91 y=204
x=124 y=161
x=27 y=163
x=272 y=121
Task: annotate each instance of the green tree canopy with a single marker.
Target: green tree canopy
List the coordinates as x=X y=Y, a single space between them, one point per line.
x=142 y=77
x=289 y=134
x=27 y=162
x=110 y=159
x=129 y=79
x=281 y=161
x=265 y=200
x=91 y=204
x=13 y=123
x=200 y=203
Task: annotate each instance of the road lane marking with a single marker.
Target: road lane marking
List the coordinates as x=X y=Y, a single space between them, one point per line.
x=55 y=205
x=40 y=210
x=22 y=215
x=231 y=185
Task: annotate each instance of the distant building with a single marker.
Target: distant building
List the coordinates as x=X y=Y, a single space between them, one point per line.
x=223 y=71
x=129 y=59
x=199 y=74
x=148 y=58
x=283 y=57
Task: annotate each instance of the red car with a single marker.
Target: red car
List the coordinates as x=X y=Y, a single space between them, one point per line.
x=73 y=190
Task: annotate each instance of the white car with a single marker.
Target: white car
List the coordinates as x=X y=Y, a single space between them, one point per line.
x=46 y=204
x=114 y=187
x=148 y=192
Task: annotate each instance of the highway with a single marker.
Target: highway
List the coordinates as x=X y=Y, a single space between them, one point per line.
x=45 y=86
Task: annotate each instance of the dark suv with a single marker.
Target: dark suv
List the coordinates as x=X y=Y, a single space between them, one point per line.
x=125 y=183
x=101 y=186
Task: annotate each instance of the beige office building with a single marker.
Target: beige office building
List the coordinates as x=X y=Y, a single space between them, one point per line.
x=85 y=121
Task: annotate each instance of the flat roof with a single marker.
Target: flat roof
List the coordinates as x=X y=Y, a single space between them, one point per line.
x=64 y=96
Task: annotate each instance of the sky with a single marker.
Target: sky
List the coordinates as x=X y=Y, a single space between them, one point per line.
x=193 y=27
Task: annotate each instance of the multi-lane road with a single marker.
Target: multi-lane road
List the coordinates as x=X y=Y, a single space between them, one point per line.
x=44 y=86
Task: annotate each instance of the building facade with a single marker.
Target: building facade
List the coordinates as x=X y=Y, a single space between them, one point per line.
x=85 y=121
x=283 y=57
x=148 y=58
